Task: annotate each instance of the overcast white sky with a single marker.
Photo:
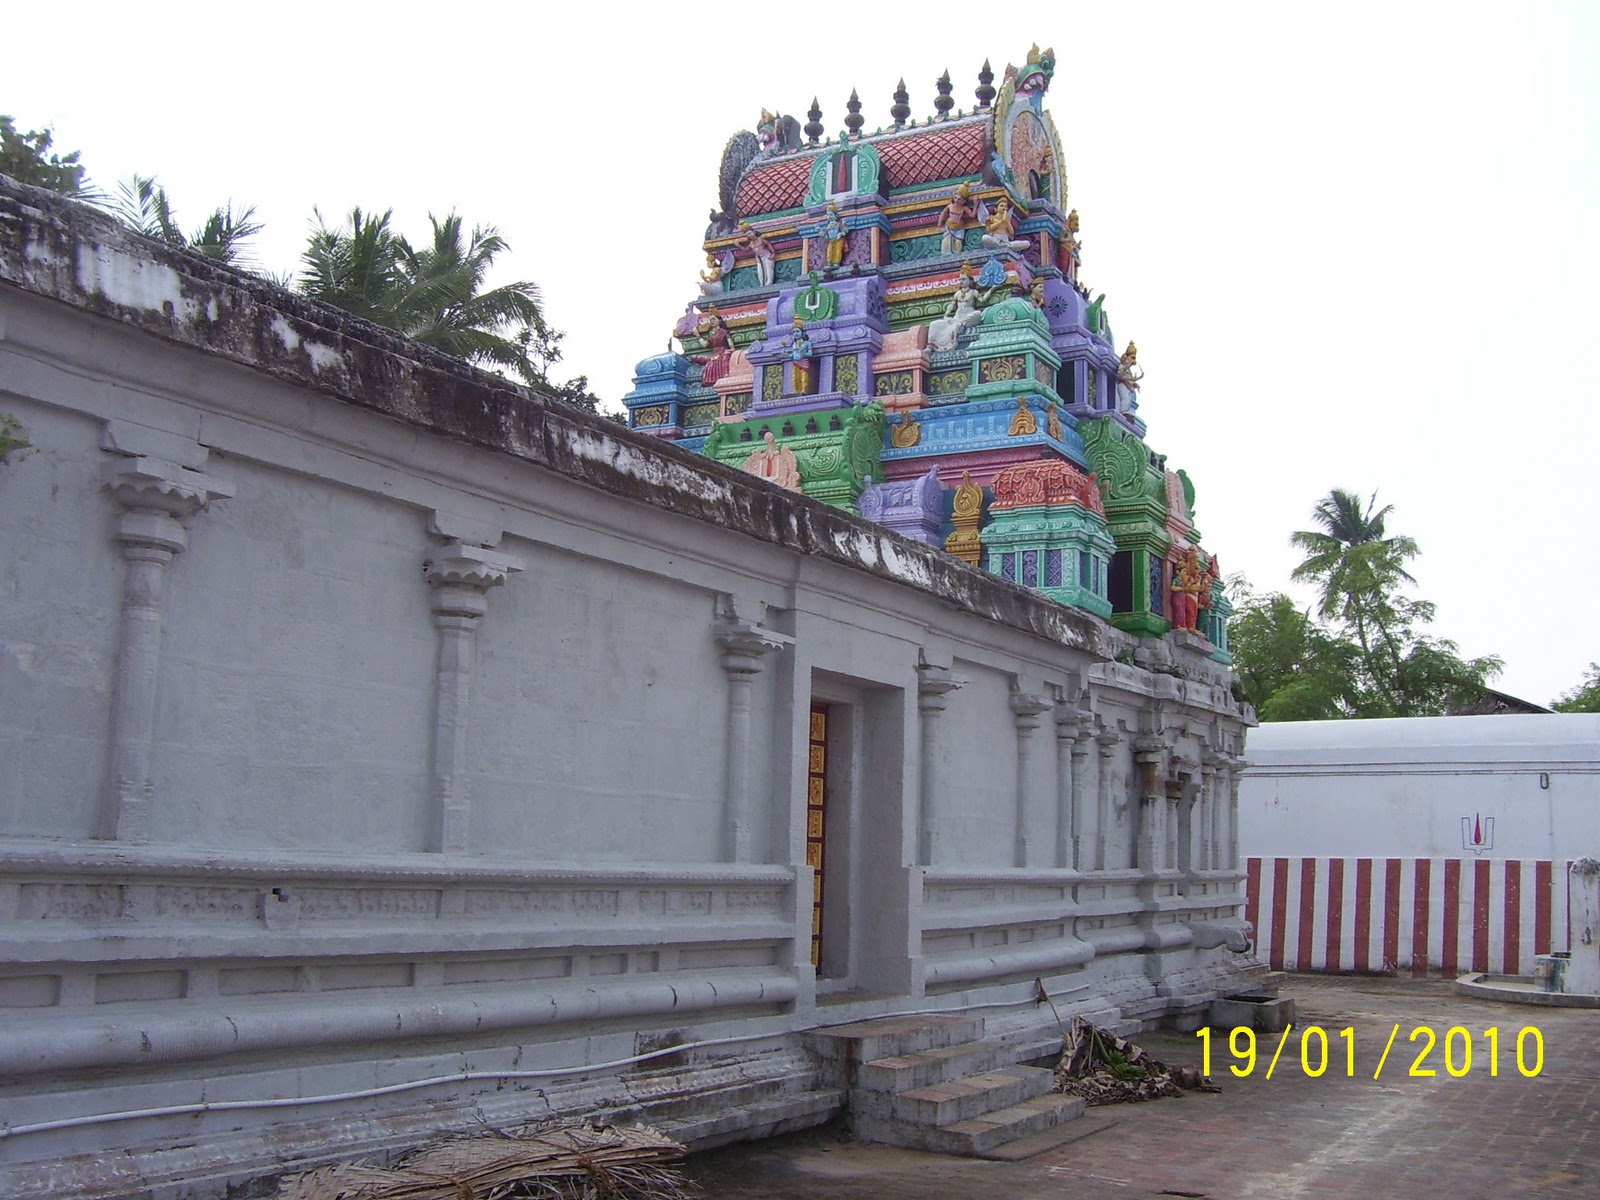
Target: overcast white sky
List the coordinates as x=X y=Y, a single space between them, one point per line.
x=1355 y=242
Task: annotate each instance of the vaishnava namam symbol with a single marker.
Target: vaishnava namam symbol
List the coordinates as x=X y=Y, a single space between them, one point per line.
x=1477 y=833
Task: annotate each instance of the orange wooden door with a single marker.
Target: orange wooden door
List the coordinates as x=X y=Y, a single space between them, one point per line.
x=816 y=809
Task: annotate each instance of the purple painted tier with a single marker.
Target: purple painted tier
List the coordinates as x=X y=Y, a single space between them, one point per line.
x=913 y=507
x=798 y=404
x=844 y=324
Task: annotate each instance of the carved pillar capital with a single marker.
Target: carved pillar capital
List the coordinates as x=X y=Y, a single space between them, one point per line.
x=156 y=485
x=1151 y=751
x=933 y=685
x=461 y=576
x=744 y=645
x=157 y=498
x=1073 y=723
x=1026 y=707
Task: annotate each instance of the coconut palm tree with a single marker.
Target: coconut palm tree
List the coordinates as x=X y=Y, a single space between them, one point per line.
x=1359 y=569
x=433 y=293
x=353 y=267
x=144 y=204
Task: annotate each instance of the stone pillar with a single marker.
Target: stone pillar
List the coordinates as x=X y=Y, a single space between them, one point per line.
x=460 y=576
x=1230 y=805
x=156 y=498
x=933 y=685
x=744 y=645
x=1025 y=709
x=1582 y=976
x=1108 y=741
x=1080 y=796
x=1216 y=814
x=1072 y=742
x=1150 y=754
x=1172 y=838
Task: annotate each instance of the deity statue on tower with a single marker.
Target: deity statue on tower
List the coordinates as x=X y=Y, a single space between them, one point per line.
x=761 y=249
x=711 y=277
x=799 y=349
x=1129 y=373
x=1191 y=590
x=1000 y=230
x=775 y=463
x=961 y=313
x=957 y=215
x=838 y=237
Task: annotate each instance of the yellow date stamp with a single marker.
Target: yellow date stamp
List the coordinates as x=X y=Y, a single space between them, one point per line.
x=1319 y=1053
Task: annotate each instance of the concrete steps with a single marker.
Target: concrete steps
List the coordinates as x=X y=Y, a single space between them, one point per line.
x=936 y=1083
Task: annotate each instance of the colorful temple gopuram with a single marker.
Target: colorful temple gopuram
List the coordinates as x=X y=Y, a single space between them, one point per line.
x=894 y=323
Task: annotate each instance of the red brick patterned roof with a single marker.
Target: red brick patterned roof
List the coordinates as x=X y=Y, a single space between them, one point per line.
x=940 y=154
x=768 y=187
x=916 y=156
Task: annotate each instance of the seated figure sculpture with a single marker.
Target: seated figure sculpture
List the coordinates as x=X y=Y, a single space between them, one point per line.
x=961 y=313
x=1000 y=230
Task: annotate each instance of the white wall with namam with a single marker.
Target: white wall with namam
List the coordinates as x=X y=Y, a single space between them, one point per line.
x=1435 y=845
x=1404 y=787
x=365 y=720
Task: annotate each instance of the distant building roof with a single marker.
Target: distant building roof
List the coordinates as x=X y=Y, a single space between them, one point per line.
x=1490 y=702
x=1560 y=739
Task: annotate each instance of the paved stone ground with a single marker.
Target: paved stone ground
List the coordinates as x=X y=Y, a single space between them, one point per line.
x=1290 y=1136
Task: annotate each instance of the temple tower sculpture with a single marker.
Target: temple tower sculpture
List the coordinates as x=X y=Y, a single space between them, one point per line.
x=894 y=322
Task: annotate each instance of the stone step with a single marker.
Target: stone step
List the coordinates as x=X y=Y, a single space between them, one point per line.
x=762 y=1119
x=938 y=1065
x=959 y=1099
x=974 y=1136
x=1052 y=1139
x=1269 y=983
x=887 y=1037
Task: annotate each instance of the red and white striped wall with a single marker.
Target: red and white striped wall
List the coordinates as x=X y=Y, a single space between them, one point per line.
x=1412 y=915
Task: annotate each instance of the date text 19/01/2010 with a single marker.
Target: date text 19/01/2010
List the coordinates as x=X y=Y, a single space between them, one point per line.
x=1319 y=1052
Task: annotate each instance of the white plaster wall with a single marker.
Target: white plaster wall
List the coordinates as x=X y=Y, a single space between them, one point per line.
x=978 y=743
x=297 y=674
x=598 y=721
x=60 y=589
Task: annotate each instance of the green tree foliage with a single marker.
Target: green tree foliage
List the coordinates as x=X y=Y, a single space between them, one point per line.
x=1367 y=653
x=144 y=204
x=1290 y=667
x=1585 y=698
x=435 y=294
x=26 y=157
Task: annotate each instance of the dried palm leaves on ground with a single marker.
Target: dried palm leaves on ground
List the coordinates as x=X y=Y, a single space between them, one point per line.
x=568 y=1163
x=1101 y=1068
